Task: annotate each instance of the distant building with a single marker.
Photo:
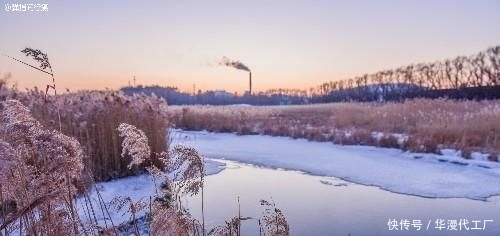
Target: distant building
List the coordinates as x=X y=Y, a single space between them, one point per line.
x=222 y=93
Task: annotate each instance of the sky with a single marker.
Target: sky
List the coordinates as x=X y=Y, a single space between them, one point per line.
x=286 y=43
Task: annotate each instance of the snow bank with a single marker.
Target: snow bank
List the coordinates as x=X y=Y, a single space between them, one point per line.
x=426 y=175
x=138 y=188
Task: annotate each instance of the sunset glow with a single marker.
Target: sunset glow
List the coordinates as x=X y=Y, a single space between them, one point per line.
x=288 y=44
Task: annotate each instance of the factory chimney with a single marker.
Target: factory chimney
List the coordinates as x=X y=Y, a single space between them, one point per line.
x=250 y=83
x=240 y=66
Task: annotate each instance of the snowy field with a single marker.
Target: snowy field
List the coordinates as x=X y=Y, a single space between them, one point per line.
x=426 y=175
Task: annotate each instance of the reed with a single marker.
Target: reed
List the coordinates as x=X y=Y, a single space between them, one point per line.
x=422 y=125
x=39 y=169
x=272 y=222
x=92 y=117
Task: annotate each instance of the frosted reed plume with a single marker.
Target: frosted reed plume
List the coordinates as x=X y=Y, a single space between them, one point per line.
x=43 y=59
x=131 y=207
x=187 y=167
x=273 y=221
x=172 y=220
x=38 y=172
x=18 y=122
x=38 y=56
x=44 y=63
x=231 y=227
x=183 y=163
x=135 y=144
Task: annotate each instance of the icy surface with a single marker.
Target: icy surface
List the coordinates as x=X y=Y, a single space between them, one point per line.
x=426 y=175
x=138 y=188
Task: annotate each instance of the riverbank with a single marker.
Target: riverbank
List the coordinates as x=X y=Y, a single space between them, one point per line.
x=420 y=174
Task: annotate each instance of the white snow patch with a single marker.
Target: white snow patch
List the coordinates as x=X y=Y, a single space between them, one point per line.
x=138 y=188
x=479 y=156
x=240 y=105
x=427 y=175
x=401 y=138
x=377 y=135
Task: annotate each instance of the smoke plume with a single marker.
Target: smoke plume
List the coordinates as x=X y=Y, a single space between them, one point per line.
x=236 y=64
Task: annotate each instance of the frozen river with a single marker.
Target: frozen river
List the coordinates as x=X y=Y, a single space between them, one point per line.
x=327 y=189
x=316 y=205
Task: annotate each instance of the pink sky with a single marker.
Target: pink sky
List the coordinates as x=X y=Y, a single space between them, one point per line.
x=288 y=44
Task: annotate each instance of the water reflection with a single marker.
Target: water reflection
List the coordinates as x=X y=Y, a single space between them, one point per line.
x=317 y=205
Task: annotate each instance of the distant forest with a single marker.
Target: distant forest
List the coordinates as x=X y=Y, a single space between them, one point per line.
x=464 y=77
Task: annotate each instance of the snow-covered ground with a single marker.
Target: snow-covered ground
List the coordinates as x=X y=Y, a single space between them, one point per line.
x=426 y=175
x=138 y=188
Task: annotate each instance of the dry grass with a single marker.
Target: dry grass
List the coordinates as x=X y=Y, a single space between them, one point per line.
x=39 y=169
x=92 y=117
x=50 y=144
x=272 y=222
x=430 y=125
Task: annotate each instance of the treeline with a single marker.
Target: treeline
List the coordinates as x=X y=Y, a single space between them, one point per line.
x=176 y=97
x=475 y=76
x=465 y=77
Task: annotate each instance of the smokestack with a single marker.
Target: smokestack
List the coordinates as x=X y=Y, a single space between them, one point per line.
x=240 y=66
x=250 y=88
